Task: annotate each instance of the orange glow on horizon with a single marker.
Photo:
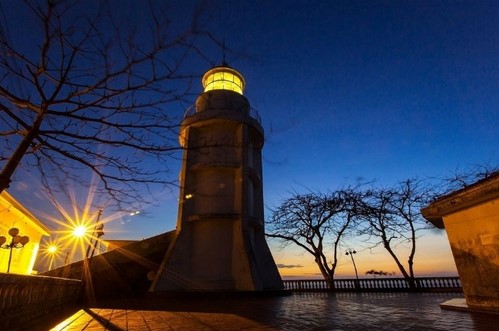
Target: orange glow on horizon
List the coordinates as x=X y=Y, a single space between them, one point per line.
x=433 y=257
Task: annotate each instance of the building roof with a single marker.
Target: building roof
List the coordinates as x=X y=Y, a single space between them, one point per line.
x=16 y=204
x=479 y=192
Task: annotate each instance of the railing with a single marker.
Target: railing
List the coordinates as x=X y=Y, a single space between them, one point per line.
x=253 y=113
x=24 y=299
x=423 y=284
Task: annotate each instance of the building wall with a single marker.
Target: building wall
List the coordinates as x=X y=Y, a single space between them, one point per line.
x=474 y=238
x=12 y=214
x=24 y=300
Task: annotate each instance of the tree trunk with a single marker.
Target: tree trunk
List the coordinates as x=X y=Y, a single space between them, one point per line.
x=408 y=278
x=326 y=273
x=15 y=159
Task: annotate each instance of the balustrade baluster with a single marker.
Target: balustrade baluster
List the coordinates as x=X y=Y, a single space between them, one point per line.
x=386 y=284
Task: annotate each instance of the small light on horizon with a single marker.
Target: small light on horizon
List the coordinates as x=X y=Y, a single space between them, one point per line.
x=134 y=213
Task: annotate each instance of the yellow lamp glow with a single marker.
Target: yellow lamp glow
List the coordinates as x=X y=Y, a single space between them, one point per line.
x=52 y=249
x=223 y=78
x=79 y=231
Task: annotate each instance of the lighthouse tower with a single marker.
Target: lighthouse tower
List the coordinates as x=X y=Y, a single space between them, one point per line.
x=220 y=242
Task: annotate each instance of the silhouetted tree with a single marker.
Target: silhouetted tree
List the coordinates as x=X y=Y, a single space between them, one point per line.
x=460 y=179
x=392 y=218
x=91 y=92
x=317 y=223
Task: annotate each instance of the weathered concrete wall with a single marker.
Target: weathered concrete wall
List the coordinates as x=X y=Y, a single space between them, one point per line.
x=123 y=272
x=24 y=299
x=470 y=217
x=474 y=238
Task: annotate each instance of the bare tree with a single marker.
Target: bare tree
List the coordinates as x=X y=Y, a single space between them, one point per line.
x=392 y=218
x=462 y=178
x=317 y=223
x=92 y=92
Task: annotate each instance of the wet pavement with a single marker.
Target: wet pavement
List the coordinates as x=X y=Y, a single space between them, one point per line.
x=306 y=311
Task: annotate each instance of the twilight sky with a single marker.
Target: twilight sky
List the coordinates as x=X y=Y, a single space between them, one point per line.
x=349 y=90
x=371 y=90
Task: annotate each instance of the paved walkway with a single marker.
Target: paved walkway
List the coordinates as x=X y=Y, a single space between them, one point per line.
x=308 y=311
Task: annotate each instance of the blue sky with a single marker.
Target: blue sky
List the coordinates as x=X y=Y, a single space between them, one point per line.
x=377 y=90
x=365 y=89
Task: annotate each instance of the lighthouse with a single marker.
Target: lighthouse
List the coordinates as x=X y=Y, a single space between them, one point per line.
x=219 y=242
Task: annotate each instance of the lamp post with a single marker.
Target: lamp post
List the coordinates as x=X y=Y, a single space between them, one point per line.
x=16 y=242
x=97 y=232
x=52 y=249
x=351 y=252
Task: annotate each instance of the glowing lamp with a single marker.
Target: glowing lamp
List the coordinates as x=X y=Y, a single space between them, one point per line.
x=79 y=231
x=223 y=78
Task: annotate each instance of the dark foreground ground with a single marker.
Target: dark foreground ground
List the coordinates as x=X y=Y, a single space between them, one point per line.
x=307 y=311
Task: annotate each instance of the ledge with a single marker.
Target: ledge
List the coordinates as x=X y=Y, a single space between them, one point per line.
x=214 y=164
x=475 y=194
x=218 y=216
x=461 y=305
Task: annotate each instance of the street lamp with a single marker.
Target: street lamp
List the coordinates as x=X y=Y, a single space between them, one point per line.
x=52 y=249
x=97 y=232
x=79 y=231
x=351 y=253
x=16 y=242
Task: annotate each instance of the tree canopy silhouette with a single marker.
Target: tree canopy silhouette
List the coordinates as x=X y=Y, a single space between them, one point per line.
x=317 y=223
x=86 y=90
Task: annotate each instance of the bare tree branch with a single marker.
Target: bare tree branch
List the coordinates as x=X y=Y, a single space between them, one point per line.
x=317 y=223
x=93 y=81
x=392 y=217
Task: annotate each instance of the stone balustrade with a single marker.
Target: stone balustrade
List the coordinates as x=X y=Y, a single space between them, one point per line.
x=24 y=299
x=423 y=284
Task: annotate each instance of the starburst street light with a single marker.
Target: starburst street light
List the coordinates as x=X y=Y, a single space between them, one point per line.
x=79 y=231
x=52 y=250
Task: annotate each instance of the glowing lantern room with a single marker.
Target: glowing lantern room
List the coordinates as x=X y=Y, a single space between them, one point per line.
x=223 y=78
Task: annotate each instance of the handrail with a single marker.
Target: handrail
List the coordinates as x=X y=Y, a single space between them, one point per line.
x=24 y=299
x=253 y=113
x=425 y=284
